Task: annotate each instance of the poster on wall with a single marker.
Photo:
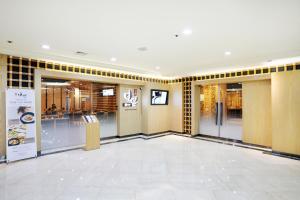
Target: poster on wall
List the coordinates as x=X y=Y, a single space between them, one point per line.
x=130 y=98
x=20 y=124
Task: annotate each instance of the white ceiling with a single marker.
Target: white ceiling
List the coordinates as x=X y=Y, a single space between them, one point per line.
x=253 y=30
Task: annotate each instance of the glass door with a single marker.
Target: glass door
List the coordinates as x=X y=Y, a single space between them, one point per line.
x=231 y=116
x=221 y=110
x=208 y=110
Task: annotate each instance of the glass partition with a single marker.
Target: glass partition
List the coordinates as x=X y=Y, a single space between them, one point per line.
x=64 y=103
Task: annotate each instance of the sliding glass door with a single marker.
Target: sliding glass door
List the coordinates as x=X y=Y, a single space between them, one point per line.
x=221 y=110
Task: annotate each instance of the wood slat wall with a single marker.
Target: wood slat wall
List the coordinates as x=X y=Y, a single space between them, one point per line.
x=103 y=103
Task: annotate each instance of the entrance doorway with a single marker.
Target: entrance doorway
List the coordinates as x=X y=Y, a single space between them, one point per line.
x=221 y=110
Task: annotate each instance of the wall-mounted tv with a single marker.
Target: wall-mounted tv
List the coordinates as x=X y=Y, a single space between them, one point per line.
x=107 y=92
x=159 y=97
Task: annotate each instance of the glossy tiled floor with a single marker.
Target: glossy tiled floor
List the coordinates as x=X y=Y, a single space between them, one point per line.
x=170 y=167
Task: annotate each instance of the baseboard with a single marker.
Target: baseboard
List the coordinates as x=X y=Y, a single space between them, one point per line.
x=178 y=132
x=285 y=155
x=156 y=133
x=219 y=138
x=130 y=135
x=139 y=134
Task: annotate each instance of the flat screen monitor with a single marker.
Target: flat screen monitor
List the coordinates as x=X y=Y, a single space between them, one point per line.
x=107 y=92
x=159 y=97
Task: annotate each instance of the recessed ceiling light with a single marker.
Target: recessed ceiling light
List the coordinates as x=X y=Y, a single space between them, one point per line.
x=187 y=31
x=157 y=67
x=113 y=59
x=227 y=53
x=45 y=46
x=142 y=48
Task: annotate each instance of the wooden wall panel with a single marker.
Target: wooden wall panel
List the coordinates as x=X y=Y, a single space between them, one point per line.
x=195 y=109
x=257 y=112
x=286 y=112
x=155 y=118
x=103 y=103
x=129 y=120
x=176 y=109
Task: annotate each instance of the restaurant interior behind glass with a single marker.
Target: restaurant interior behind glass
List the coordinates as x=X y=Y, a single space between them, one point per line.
x=63 y=104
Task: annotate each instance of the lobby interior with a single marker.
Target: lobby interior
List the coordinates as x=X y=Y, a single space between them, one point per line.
x=146 y=100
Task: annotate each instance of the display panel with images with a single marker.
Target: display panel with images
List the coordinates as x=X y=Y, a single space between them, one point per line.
x=159 y=97
x=20 y=124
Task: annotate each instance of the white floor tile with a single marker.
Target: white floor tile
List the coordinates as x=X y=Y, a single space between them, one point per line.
x=168 y=168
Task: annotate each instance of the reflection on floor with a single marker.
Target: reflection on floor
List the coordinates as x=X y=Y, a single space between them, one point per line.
x=169 y=167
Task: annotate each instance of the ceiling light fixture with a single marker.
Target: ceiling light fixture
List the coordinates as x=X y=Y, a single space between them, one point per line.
x=45 y=46
x=81 y=53
x=142 y=48
x=187 y=31
x=227 y=53
x=113 y=59
x=56 y=84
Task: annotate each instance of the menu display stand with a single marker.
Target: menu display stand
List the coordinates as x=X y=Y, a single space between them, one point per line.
x=92 y=128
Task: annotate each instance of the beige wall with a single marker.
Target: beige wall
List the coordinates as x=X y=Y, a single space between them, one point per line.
x=3 y=64
x=152 y=118
x=38 y=107
x=129 y=120
x=257 y=112
x=286 y=112
x=176 y=107
x=155 y=117
x=195 y=108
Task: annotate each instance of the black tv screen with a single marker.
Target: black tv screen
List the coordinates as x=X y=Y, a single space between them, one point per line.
x=159 y=97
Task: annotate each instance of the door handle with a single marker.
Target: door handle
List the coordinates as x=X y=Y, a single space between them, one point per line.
x=221 y=113
x=216 y=117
